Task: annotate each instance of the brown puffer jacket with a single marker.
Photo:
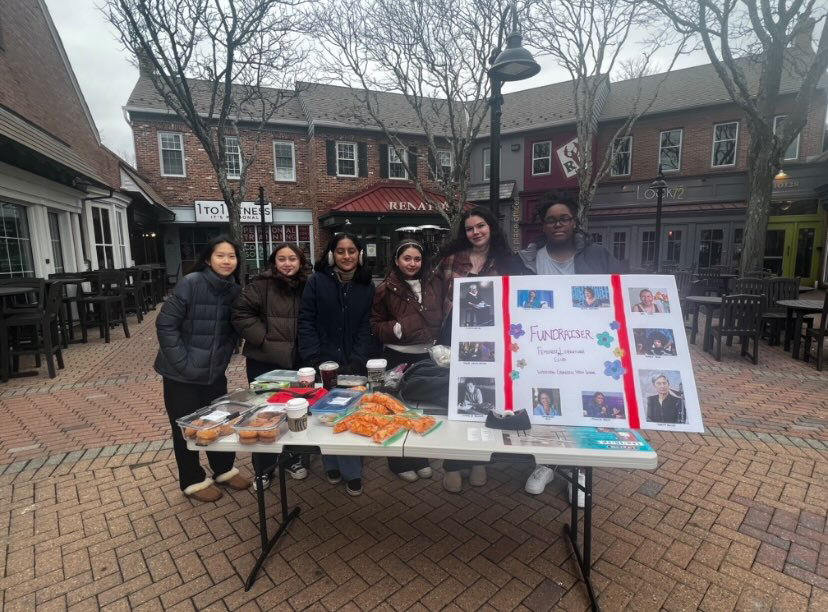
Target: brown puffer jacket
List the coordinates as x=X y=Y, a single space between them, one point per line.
x=395 y=302
x=266 y=314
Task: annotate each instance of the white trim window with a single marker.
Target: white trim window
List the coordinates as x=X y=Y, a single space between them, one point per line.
x=725 y=143
x=396 y=167
x=541 y=158
x=284 y=161
x=487 y=164
x=444 y=161
x=622 y=156
x=102 y=231
x=346 y=159
x=792 y=152
x=171 y=153
x=15 y=242
x=669 y=151
x=57 y=243
x=119 y=226
x=232 y=157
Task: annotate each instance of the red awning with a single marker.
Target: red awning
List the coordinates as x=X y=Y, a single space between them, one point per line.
x=387 y=198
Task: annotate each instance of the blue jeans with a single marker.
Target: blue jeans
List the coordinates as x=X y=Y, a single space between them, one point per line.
x=350 y=467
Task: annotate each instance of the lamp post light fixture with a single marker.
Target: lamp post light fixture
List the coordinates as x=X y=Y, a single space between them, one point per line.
x=514 y=63
x=658 y=185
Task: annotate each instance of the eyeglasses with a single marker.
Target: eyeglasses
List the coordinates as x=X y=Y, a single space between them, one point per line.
x=553 y=221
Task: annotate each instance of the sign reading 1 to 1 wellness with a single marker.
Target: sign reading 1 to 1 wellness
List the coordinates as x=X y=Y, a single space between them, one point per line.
x=215 y=211
x=590 y=350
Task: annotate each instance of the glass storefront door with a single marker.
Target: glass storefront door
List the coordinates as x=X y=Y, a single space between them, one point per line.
x=790 y=249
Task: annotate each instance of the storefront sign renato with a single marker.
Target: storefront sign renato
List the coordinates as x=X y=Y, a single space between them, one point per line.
x=643 y=192
x=410 y=206
x=215 y=211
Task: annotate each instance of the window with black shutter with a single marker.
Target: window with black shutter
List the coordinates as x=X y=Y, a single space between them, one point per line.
x=383 y=158
x=362 y=158
x=432 y=165
x=412 y=161
x=330 y=156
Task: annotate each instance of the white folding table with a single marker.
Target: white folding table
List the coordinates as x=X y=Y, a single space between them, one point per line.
x=451 y=440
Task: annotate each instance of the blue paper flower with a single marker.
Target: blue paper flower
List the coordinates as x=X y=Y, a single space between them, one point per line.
x=615 y=326
x=605 y=339
x=516 y=330
x=614 y=369
x=514 y=374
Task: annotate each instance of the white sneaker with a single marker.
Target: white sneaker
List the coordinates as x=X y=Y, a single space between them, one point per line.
x=537 y=482
x=581 y=494
x=409 y=476
x=265 y=482
x=424 y=472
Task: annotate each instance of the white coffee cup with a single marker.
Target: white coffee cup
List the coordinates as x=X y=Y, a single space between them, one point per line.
x=297 y=413
x=307 y=376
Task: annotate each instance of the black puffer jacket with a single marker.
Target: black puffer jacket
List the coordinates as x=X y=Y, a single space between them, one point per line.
x=335 y=322
x=195 y=337
x=266 y=315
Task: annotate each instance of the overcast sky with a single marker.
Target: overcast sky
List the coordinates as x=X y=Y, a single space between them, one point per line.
x=107 y=77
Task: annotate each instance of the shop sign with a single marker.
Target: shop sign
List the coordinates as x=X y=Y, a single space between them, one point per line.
x=371 y=250
x=643 y=192
x=409 y=206
x=215 y=211
x=786 y=184
x=570 y=157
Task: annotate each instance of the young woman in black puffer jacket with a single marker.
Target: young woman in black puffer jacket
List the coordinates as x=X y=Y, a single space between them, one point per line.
x=266 y=316
x=195 y=343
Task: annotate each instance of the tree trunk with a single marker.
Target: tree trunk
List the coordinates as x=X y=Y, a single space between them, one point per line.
x=760 y=186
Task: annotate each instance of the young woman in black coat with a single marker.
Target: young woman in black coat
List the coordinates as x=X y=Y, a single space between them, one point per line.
x=195 y=344
x=335 y=325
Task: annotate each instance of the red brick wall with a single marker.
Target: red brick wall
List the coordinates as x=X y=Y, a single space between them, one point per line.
x=35 y=84
x=697 y=140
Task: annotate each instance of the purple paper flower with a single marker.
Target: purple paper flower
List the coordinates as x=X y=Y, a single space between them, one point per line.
x=516 y=330
x=614 y=369
x=605 y=339
x=615 y=326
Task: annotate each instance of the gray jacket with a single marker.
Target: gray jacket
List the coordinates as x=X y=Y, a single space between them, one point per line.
x=589 y=258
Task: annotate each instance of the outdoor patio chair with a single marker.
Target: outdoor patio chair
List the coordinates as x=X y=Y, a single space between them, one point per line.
x=43 y=322
x=752 y=286
x=818 y=333
x=134 y=293
x=773 y=319
x=739 y=317
x=108 y=293
x=172 y=279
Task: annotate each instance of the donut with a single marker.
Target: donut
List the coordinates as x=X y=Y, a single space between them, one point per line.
x=248 y=437
x=206 y=436
x=268 y=435
x=189 y=432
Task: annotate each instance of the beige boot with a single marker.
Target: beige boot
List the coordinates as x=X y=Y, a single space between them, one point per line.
x=477 y=477
x=204 y=491
x=233 y=479
x=453 y=482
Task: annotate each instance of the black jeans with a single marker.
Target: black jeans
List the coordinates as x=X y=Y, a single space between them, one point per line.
x=262 y=462
x=181 y=399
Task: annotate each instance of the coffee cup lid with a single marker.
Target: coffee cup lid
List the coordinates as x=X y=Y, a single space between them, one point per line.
x=306 y=371
x=328 y=365
x=376 y=364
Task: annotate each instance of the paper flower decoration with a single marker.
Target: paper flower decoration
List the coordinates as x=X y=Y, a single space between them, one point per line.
x=514 y=374
x=614 y=369
x=515 y=347
x=619 y=352
x=615 y=326
x=521 y=363
x=516 y=330
x=605 y=339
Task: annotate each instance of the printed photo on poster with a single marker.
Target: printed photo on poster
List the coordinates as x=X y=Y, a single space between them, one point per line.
x=535 y=299
x=603 y=404
x=482 y=352
x=663 y=395
x=646 y=300
x=475 y=396
x=476 y=304
x=546 y=402
x=654 y=342
x=590 y=297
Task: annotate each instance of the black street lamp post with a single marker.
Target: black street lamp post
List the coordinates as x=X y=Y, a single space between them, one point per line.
x=264 y=227
x=512 y=64
x=658 y=185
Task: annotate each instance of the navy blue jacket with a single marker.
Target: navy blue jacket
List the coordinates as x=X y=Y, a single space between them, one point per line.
x=335 y=322
x=195 y=337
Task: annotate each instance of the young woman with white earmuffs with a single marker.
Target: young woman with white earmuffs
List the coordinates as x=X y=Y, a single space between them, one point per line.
x=335 y=325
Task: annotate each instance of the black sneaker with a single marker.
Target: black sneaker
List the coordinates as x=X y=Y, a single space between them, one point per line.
x=333 y=476
x=296 y=470
x=266 y=480
x=354 y=487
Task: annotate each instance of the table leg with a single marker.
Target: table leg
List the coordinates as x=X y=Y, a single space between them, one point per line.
x=788 y=327
x=571 y=530
x=694 y=328
x=797 y=333
x=287 y=517
x=708 y=328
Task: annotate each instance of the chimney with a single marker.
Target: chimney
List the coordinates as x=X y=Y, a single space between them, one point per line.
x=145 y=67
x=804 y=33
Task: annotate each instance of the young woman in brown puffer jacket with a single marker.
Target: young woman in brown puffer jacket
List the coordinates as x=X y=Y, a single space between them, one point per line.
x=406 y=319
x=266 y=315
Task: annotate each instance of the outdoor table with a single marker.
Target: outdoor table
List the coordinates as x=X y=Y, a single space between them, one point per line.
x=11 y=291
x=451 y=440
x=795 y=313
x=710 y=304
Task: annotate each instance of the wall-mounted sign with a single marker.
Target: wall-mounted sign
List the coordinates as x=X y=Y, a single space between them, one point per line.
x=570 y=157
x=410 y=206
x=643 y=192
x=371 y=250
x=786 y=184
x=215 y=211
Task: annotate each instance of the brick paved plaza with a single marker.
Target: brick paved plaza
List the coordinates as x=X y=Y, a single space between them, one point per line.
x=92 y=517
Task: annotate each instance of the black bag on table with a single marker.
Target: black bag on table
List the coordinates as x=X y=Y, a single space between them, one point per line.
x=425 y=381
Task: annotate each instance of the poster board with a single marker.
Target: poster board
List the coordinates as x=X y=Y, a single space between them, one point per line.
x=587 y=350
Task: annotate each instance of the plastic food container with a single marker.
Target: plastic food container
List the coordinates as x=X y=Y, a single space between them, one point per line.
x=279 y=376
x=209 y=424
x=336 y=401
x=264 y=426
